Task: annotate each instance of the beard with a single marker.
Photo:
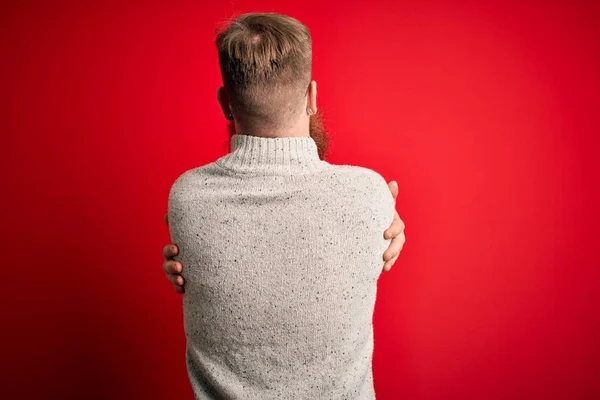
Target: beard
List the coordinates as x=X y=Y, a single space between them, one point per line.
x=316 y=129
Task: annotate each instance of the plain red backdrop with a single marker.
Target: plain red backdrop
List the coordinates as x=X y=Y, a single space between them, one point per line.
x=486 y=114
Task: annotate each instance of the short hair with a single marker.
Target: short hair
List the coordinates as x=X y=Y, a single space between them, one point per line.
x=266 y=66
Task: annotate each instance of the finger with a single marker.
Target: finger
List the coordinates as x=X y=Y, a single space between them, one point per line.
x=393 y=186
x=178 y=280
x=167 y=219
x=175 y=279
x=395 y=247
x=389 y=264
x=170 y=251
x=172 y=267
x=396 y=228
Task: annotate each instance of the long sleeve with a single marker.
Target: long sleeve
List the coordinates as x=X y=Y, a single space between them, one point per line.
x=281 y=277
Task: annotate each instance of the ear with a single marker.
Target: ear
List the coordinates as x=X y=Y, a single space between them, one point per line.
x=223 y=99
x=311 y=97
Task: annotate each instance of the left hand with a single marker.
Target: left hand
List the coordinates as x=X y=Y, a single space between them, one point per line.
x=395 y=232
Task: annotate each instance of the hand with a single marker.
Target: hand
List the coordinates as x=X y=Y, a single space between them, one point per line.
x=171 y=267
x=396 y=232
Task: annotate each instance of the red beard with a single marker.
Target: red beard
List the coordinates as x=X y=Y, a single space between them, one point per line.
x=316 y=128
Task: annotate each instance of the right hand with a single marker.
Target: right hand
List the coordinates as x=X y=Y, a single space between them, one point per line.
x=172 y=267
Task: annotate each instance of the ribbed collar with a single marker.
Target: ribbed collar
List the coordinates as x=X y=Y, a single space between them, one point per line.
x=258 y=155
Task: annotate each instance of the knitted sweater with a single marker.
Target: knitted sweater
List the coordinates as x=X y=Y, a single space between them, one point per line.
x=281 y=254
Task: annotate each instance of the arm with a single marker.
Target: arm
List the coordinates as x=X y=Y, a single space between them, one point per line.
x=173 y=268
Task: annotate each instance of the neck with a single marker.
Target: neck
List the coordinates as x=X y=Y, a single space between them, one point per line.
x=316 y=130
x=300 y=129
x=258 y=155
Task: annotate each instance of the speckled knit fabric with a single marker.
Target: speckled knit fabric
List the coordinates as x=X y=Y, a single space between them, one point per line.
x=281 y=254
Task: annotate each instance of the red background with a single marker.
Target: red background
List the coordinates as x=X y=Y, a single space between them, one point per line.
x=486 y=114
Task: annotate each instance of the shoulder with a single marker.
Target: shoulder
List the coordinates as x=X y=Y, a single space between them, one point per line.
x=194 y=179
x=360 y=174
x=362 y=179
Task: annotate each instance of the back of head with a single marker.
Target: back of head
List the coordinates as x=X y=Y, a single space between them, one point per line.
x=266 y=66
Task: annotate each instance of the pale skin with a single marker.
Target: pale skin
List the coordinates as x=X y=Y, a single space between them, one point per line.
x=395 y=231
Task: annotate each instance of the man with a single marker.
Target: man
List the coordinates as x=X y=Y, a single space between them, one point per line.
x=281 y=249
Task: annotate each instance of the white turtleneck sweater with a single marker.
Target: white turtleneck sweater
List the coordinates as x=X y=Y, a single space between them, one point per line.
x=281 y=254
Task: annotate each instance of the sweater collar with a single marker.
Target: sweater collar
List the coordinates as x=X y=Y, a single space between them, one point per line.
x=293 y=155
